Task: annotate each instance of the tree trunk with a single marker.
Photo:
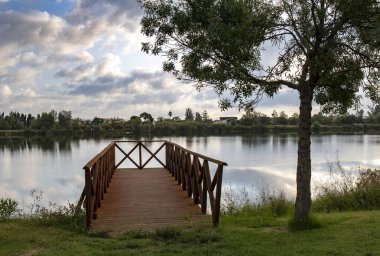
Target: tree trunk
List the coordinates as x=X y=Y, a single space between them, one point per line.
x=303 y=199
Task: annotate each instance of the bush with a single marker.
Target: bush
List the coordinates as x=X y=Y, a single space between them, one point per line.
x=269 y=203
x=346 y=193
x=233 y=204
x=368 y=179
x=68 y=216
x=8 y=207
x=274 y=201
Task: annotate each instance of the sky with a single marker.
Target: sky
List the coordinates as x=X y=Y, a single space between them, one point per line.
x=85 y=56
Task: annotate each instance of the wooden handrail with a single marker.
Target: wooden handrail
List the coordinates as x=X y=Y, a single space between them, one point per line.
x=98 y=175
x=190 y=169
x=95 y=158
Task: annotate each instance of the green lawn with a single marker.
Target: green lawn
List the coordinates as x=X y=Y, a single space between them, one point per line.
x=346 y=233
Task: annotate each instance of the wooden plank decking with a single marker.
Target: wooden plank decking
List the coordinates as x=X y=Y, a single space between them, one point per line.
x=145 y=199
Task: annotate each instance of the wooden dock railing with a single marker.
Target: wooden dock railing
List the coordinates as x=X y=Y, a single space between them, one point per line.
x=190 y=169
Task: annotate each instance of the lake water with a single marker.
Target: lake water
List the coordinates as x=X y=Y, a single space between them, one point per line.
x=54 y=165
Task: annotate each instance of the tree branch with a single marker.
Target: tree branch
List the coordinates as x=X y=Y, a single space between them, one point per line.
x=294 y=25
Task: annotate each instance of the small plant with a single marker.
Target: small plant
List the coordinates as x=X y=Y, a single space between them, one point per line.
x=233 y=203
x=35 y=205
x=137 y=234
x=200 y=236
x=167 y=233
x=274 y=201
x=8 y=207
x=98 y=233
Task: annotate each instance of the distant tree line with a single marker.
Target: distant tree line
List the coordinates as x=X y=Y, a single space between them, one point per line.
x=192 y=122
x=281 y=118
x=44 y=120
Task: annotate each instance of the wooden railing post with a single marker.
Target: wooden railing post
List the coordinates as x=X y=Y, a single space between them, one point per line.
x=167 y=156
x=88 y=193
x=204 y=190
x=140 y=156
x=218 y=194
x=113 y=161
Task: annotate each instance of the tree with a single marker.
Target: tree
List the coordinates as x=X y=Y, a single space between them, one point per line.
x=189 y=114
x=205 y=116
x=327 y=50
x=135 y=121
x=293 y=120
x=170 y=114
x=360 y=115
x=11 y=120
x=374 y=114
x=3 y=124
x=64 y=118
x=282 y=118
x=47 y=120
x=97 y=121
x=54 y=114
x=146 y=117
x=198 y=117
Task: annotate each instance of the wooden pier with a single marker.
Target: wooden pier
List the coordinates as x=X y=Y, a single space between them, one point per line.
x=140 y=196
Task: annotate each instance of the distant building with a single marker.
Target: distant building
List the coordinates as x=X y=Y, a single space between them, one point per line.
x=227 y=119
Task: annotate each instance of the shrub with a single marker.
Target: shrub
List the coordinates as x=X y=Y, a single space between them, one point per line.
x=274 y=201
x=68 y=216
x=368 y=179
x=8 y=207
x=269 y=203
x=233 y=203
x=346 y=193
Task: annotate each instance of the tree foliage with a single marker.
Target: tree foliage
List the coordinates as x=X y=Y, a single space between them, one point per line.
x=205 y=116
x=198 y=117
x=146 y=117
x=331 y=44
x=189 y=114
x=64 y=118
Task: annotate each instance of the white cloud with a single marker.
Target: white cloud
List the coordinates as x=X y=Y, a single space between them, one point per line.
x=24 y=75
x=5 y=90
x=27 y=57
x=27 y=92
x=89 y=61
x=109 y=65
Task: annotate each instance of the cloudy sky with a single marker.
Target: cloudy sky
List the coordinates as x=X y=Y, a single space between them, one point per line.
x=84 y=56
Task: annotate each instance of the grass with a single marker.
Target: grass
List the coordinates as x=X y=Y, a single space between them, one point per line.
x=261 y=227
x=344 y=233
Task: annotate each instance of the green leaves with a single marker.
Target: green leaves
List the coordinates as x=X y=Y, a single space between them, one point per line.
x=333 y=46
x=212 y=43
